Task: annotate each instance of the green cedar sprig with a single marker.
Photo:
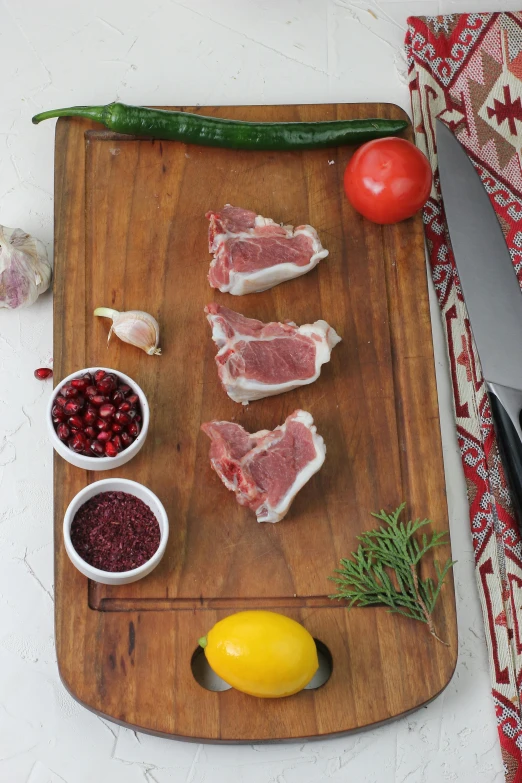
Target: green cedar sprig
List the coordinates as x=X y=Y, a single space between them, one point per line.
x=394 y=547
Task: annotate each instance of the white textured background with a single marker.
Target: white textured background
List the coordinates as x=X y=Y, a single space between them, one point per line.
x=167 y=52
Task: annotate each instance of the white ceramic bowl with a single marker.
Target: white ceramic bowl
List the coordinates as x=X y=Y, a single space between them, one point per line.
x=99 y=463
x=132 y=488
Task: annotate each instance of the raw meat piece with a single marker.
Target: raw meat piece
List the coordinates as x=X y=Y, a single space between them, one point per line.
x=258 y=360
x=266 y=470
x=252 y=253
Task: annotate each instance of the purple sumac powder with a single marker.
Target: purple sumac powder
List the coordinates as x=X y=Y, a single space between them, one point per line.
x=115 y=531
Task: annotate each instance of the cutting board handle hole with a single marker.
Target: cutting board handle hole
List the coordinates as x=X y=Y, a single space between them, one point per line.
x=324 y=672
x=205 y=677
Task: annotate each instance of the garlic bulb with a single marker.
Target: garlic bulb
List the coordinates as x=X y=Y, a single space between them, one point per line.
x=135 y=327
x=25 y=271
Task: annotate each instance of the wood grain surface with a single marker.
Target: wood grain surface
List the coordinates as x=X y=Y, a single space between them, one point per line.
x=130 y=233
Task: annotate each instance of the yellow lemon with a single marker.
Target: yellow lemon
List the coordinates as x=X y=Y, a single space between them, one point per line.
x=261 y=653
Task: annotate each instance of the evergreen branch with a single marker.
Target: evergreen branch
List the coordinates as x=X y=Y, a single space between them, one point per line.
x=385 y=569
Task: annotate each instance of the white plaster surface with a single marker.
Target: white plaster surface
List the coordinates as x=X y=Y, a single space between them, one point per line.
x=63 y=52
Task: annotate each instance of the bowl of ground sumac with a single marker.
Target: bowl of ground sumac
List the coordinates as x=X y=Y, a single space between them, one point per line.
x=115 y=531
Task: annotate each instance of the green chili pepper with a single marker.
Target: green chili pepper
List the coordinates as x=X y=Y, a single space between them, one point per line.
x=236 y=134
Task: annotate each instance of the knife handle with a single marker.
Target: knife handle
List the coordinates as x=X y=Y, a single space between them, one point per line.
x=506 y=405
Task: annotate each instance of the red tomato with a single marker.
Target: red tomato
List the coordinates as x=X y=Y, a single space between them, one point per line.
x=388 y=180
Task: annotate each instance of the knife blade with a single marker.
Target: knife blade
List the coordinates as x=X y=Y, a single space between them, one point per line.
x=492 y=295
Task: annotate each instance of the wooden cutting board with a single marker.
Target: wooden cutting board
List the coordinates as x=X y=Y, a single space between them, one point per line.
x=130 y=233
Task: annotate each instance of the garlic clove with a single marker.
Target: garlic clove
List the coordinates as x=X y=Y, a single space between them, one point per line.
x=135 y=327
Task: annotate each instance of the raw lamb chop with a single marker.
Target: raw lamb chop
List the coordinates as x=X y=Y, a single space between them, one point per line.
x=252 y=253
x=266 y=470
x=258 y=360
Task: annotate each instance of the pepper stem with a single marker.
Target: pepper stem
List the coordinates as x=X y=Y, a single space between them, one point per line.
x=106 y=312
x=96 y=113
x=203 y=642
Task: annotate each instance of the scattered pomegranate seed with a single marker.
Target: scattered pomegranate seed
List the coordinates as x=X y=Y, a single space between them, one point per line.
x=76 y=422
x=63 y=431
x=71 y=407
x=126 y=439
x=98 y=400
x=90 y=432
x=104 y=436
x=110 y=449
x=98 y=375
x=107 y=410
x=80 y=383
x=133 y=429
x=118 y=443
x=42 y=373
x=122 y=418
x=97 y=448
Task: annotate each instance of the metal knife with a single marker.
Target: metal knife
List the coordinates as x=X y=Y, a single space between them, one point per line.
x=492 y=295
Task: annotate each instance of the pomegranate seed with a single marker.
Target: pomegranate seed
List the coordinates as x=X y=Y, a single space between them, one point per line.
x=81 y=400
x=71 y=407
x=122 y=418
x=57 y=412
x=102 y=424
x=98 y=400
x=76 y=422
x=90 y=391
x=88 y=377
x=90 y=432
x=63 y=431
x=104 y=436
x=126 y=439
x=107 y=385
x=60 y=401
x=110 y=449
x=125 y=406
x=42 y=373
x=98 y=375
x=124 y=388
x=133 y=429
x=117 y=428
x=118 y=443
x=97 y=448
x=117 y=397
x=80 y=383
x=107 y=410
x=91 y=416
x=137 y=417
x=77 y=443
x=133 y=399
x=69 y=391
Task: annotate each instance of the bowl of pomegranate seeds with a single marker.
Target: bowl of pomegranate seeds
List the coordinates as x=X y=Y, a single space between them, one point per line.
x=98 y=418
x=115 y=531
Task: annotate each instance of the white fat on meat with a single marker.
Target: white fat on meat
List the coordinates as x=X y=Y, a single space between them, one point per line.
x=266 y=469
x=257 y=360
x=253 y=253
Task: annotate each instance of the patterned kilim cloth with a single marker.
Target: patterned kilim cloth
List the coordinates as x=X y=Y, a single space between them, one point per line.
x=466 y=69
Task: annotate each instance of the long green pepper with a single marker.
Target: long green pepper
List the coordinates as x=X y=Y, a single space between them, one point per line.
x=235 y=134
